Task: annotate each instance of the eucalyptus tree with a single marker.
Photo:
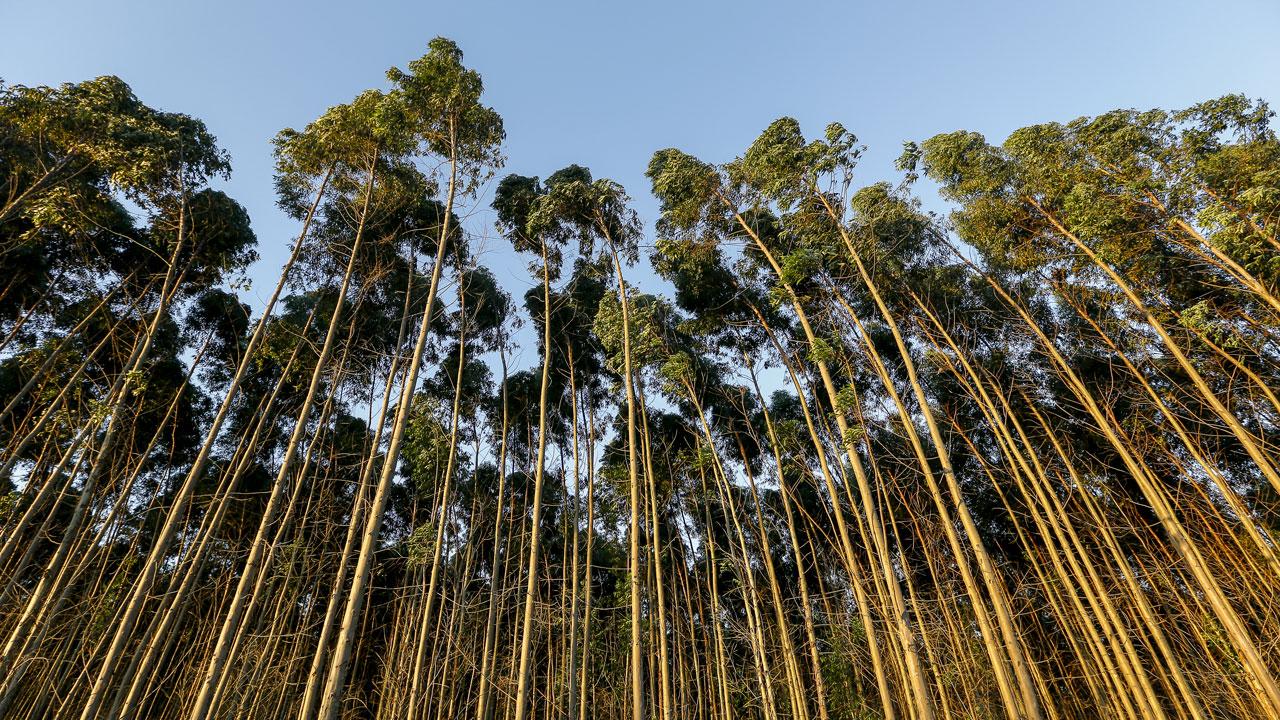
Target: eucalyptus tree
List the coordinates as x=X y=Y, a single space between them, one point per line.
x=78 y=158
x=1139 y=202
x=861 y=462
x=583 y=379
x=700 y=199
x=370 y=131
x=542 y=218
x=445 y=118
x=1127 y=195
x=517 y=201
x=81 y=153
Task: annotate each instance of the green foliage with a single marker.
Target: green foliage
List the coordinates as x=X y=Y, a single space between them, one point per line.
x=71 y=136
x=1141 y=189
x=684 y=186
x=421 y=545
x=344 y=144
x=426 y=445
x=647 y=330
x=85 y=164
x=799 y=266
x=841 y=671
x=847 y=398
x=440 y=99
x=109 y=602
x=781 y=167
x=821 y=351
x=778 y=163
x=675 y=372
x=569 y=207
x=9 y=504
x=108 y=195
x=853 y=435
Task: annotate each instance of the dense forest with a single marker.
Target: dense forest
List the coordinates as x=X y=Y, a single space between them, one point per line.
x=861 y=460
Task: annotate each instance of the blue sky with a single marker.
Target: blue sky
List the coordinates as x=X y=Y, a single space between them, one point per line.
x=605 y=84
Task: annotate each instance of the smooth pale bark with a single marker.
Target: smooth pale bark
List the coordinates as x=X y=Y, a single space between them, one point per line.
x=316 y=675
x=155 y=559
x=633 y=478
x=1262 y=461
x=586 y=580
x=114 y=403
x=217 y=663
x=1265 y=688
x=994 y=586
x=442 y=511
x=162 y=633
x=905 y=634
x=539 y=470
x=338 y=666
x=847 y=555
x=819 y=684
x=484 y=705
x=655 y=546
x=571 y=702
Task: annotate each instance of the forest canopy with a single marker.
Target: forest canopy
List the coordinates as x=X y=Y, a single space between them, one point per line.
x=1015 y=460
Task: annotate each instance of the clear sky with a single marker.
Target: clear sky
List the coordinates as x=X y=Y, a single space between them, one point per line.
x=605 y=84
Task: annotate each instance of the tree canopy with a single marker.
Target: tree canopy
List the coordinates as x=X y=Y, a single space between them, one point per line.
x=1016 y=459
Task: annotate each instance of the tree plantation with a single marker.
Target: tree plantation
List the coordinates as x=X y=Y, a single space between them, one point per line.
x=857 y=459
